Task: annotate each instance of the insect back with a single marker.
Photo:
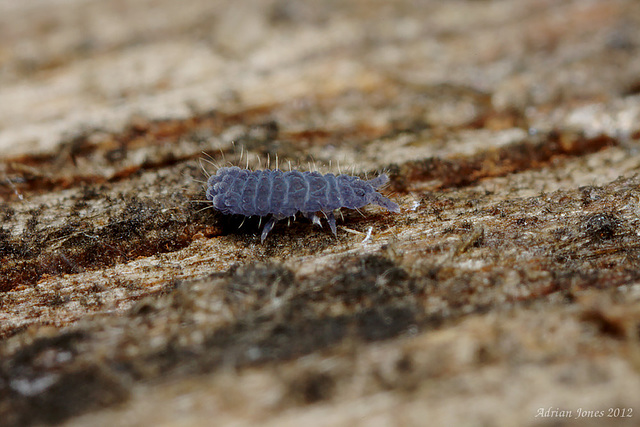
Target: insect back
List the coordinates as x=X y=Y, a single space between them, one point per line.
x=278 y=194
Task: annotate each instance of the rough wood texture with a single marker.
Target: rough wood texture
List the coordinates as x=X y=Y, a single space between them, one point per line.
x=510 y=282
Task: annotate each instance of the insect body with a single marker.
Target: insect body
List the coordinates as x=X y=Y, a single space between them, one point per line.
x=283 y=194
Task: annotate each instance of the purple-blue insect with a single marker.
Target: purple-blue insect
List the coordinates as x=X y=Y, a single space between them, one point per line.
x=283 y=194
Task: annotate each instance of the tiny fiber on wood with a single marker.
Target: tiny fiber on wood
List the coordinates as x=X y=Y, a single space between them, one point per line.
x=237 y=191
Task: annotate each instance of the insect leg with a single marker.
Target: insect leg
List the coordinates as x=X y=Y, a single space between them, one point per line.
x=267 y=227
x=332 y=223
x=313 y=217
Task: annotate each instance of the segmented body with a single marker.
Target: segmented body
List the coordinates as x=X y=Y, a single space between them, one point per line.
x=283 y=194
